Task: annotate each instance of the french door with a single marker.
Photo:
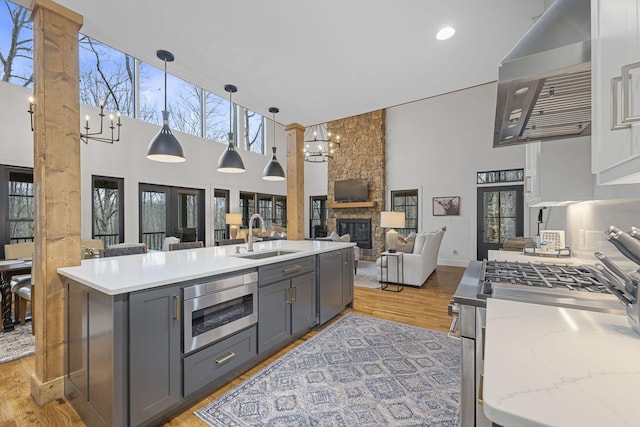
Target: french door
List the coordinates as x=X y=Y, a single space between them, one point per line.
x=500 y=215
x=170 y=211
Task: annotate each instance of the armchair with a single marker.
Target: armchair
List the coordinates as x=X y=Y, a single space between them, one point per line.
x=418 y=265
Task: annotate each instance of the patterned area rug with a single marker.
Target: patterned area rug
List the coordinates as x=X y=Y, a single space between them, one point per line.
x=367 y=276
x=360 y=371
x=17 y=343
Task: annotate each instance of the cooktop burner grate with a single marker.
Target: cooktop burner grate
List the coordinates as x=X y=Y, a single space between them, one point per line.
x=566 y=277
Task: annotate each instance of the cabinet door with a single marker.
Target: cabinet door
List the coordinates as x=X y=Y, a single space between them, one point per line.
x=615 y=43
x=154 y=352
x=303 y=306
x=274 y=314
x=347 y=276
x=330 y=285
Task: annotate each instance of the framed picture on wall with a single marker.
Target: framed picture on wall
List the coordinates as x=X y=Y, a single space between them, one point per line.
x=448 y=205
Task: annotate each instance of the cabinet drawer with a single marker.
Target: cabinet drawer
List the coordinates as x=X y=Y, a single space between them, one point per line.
x=205 y=366
x=283 y=270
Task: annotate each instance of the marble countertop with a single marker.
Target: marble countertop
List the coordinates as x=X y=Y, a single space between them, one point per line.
x=123 y=274
x=553 y=366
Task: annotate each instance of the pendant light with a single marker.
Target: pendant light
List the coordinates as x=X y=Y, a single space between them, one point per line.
x=230 y=161
x=273 y=171
x=164 y=147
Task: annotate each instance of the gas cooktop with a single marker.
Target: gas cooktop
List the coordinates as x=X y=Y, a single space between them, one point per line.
x=537 y=275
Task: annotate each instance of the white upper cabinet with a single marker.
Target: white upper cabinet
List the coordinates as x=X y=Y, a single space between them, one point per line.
x=558 y=172
x=615 y=147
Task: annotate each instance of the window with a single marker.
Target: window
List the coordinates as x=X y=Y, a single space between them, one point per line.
x=108 y=209
x=217 y=118
x=406 y=201
x=509 y=175
x=184 y=100
x=247 y=206
x=170 y=211
x=280 y=210
x=21 y=206
x=106 y=76
x=253 y=131
x=16 y=53
x=221 y=208
x=265 y=209
x=318 y=217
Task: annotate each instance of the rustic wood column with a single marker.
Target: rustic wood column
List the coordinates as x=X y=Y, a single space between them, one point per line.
x=56 y=175
x=295 y=181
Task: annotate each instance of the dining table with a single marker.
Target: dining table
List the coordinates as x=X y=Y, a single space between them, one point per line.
x=9 y=269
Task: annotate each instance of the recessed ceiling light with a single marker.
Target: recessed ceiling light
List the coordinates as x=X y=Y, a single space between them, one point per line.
x=445 y=33
x=508 y=137
x=522 y=90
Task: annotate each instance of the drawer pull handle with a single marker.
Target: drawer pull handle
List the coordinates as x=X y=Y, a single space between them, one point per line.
x=292 y=269
x=484 y=338
x=229 y=356
x=627 y=115
x=614 y=123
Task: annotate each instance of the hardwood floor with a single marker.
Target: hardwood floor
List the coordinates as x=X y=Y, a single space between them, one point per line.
x=425 y=307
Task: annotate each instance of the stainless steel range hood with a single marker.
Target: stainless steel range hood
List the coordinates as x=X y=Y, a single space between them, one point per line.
x=544 y=82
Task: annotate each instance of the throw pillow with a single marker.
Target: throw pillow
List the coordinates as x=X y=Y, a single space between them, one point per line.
x=345 y=238
x=405 y=244
x=419 y=243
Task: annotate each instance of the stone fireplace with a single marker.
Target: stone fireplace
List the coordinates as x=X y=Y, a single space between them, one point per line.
x=358 y=228
x=361 y=156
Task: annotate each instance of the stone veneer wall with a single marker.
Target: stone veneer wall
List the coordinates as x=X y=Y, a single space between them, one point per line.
x=361 y=156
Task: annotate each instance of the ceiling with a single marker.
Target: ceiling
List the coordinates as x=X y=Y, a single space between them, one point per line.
x=316 y=60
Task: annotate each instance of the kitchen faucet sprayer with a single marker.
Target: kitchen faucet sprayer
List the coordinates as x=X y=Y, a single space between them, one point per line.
x=250 y=237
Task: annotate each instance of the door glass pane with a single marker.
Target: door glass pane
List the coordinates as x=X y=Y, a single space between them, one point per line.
x=491 y=230
x=220 y=210
x=491 y=202
x=508 y=204
x=106 y=211
x=508 y=228
x=188 y=216
x=154 y=218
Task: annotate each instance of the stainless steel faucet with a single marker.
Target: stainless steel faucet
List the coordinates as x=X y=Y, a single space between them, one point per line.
x=250 y=238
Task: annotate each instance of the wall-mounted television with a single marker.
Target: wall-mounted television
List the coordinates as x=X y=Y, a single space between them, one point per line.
x=351 y=190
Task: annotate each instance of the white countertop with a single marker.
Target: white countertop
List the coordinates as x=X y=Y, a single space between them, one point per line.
x=552 y=366
x=122 y=274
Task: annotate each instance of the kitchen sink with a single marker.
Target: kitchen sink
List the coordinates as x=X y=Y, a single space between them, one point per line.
x=265 y=254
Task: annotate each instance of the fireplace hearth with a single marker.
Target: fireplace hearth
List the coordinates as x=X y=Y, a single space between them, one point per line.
x=358 y=228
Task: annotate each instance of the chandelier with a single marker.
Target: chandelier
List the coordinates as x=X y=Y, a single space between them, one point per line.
x=319 y=144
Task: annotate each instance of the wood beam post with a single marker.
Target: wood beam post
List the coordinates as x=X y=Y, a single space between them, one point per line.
x=295 y=181
x=56 y=174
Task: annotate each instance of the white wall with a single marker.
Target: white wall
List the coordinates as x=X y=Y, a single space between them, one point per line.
x=438 y=145
x=126 y=159
x=315 y=184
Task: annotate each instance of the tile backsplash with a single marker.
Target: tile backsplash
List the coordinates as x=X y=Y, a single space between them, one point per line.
x=587 y=222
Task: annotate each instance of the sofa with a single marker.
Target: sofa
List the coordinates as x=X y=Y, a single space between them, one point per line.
x=419 y=259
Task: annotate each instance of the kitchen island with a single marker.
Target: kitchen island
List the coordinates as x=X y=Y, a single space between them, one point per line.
x=554 y=366
x=148 y=335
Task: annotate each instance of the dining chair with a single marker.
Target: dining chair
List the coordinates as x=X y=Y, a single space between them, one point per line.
x=124 y=249
x=185 y=245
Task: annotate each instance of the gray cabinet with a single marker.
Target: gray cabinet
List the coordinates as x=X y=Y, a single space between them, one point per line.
x=286 y=301
x=285 y=309
x=330 y=288
x=347 y=277
x=154 y=352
